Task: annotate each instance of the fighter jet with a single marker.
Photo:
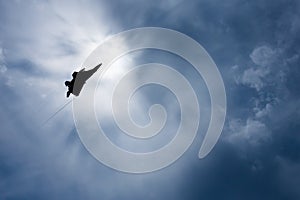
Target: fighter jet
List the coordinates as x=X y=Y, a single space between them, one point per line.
x=81 y=77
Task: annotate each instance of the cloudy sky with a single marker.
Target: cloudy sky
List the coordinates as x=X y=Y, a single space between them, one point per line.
x=255 y=45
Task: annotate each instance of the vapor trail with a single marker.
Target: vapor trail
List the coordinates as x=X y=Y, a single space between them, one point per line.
x=60 y=109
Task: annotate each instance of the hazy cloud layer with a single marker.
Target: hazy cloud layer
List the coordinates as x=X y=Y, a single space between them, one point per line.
x=255 y=44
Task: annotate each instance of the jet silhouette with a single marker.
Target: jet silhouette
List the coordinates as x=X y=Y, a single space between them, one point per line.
x=81 y=77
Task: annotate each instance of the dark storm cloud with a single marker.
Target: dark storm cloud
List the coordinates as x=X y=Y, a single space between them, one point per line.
x=255 y=44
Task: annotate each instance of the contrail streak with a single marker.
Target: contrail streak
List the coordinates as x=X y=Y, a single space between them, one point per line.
x=60 y=109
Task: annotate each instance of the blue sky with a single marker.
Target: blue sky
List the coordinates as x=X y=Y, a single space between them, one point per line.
x=255 y=45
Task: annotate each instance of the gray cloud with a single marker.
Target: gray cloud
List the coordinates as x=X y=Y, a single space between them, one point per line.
x=3 y=67
x=263 y=55
x=44 y=41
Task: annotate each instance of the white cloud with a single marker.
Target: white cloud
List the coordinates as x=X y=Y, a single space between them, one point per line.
x=3 y=68
x=254 y=78
x=57 y=36
x=251 y=131
x=263 y=55
x=53 y=29
x=1 y=55
x=260 y=113
x=259 y=76
x=267 y=77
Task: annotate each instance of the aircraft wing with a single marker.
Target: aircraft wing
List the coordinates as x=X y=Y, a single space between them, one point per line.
x=82 y=77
